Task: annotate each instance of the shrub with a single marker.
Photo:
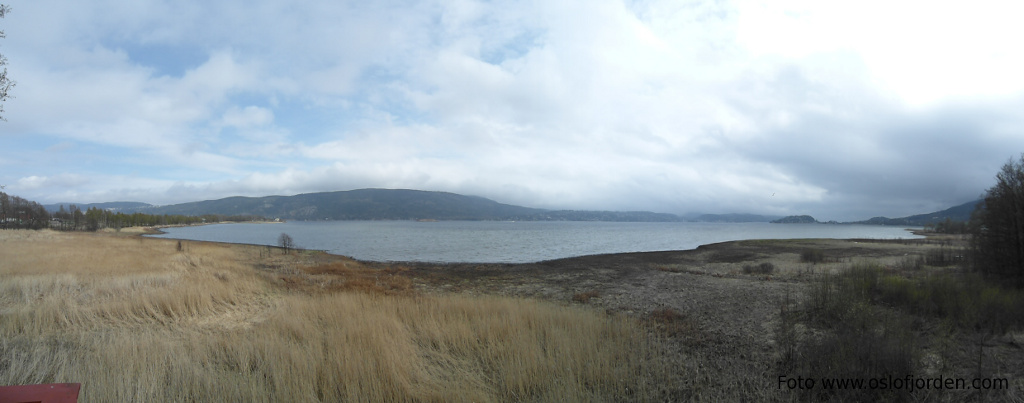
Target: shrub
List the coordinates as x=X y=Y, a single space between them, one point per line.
x=944 y=257
x=812 y=256
x=763 y=268
x=863 y=340
x=898 y=290
x=967 y=300
x=857 y=353
x=915 y=262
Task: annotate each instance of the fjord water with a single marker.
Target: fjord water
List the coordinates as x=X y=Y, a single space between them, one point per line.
x=512 y=242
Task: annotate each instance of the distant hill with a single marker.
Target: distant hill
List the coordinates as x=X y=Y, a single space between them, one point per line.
x=734 y=218
x=796 y=219
x=124 y=207
x=392 y=204
x=362 y=204
x=617 y=216
x=956 y=213
x=404 y=204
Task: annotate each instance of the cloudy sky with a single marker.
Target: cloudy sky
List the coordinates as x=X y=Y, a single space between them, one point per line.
x=841 y=110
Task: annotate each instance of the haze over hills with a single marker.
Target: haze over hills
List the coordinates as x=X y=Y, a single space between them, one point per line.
x=404 y=204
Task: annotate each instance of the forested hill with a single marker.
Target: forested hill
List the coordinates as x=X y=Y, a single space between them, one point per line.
x=956 y=213
x=404 y=204
x=362 y=204
x=391 y=204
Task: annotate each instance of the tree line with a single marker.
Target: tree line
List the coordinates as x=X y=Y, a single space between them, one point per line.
x=18 y=213
x=997 y=226
x=949 y=226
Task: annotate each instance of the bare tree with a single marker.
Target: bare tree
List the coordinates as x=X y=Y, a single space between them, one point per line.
x=998 y=234
x=5 y=83
x=285 y=242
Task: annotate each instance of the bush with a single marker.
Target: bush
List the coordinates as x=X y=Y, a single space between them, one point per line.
x=967 y=300
x=854 y=353
x=915 y=262
x=944 y=257
x=864 y=340
x=844 y=297
x=763 y=268
x=812 y=256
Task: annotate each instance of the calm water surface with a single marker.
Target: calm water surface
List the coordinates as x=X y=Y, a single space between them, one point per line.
x=512 y=242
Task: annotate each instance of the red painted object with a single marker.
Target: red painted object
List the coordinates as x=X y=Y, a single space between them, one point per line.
x=47 y=393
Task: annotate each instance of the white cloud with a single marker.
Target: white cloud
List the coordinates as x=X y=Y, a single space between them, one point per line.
x=30 y=183
x=250 y=116
x=927 y=52
x=662 y=105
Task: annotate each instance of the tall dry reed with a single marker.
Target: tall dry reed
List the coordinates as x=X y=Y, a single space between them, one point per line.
x=137 y=320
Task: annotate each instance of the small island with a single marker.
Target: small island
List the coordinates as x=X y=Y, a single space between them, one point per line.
x=796 y=219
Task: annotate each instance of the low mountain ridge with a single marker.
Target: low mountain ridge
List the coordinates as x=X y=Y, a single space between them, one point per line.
x=394 y=204
x=406 y=204
x=735 y=218
x=361 y=204
x=960 y=212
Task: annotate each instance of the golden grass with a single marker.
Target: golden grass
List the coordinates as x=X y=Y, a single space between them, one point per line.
x=136 y=320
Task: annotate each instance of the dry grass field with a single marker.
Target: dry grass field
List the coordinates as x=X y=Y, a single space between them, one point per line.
x=142 y=320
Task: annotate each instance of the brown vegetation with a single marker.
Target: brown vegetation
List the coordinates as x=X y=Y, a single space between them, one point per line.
x=138 y=320
x=732 y=333
x=142 y=319
x=584 y=297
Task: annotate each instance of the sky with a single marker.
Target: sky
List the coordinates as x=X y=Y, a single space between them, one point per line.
x=840 y=110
